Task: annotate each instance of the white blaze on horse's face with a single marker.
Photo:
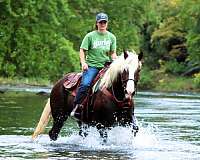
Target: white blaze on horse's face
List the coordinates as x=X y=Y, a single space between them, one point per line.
x=130 y=86
x=132 y=67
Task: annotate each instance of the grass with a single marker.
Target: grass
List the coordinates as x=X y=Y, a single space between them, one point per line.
x=25 y=81
x=150 y=80
x=178 y=84
x=158 y=80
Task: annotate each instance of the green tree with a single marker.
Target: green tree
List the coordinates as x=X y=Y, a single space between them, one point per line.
x=190 y=16
x=34 y=40
x=41 y=38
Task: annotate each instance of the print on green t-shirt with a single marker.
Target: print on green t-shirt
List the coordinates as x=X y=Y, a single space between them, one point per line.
x=98 y=46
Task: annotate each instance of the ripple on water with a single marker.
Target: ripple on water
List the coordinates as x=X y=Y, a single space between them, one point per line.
x=146 y=145
x=169 y=130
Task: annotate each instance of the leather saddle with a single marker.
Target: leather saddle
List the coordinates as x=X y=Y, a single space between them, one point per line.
x=72 y=80
x=71 y=83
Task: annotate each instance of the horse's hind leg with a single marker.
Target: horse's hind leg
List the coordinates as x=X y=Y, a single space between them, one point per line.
x=57 y=125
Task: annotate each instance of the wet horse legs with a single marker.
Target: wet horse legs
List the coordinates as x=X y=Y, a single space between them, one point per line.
x=103 y=132
x=83 y=129
x=57 y=125
x=135 y=127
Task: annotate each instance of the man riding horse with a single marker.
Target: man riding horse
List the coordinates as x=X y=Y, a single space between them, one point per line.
x=97 y=48
x=112 y=101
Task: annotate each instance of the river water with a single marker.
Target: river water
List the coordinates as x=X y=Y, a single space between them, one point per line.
x=169 y=130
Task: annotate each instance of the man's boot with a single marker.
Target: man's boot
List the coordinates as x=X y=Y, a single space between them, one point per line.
x=76 y=112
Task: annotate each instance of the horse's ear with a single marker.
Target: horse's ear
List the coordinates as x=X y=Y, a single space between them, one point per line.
x=140 y=56
x=125 y=54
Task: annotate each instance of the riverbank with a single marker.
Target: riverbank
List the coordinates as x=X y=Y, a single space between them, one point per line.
x=35 y=85
x=25 y=81
x=158 y=82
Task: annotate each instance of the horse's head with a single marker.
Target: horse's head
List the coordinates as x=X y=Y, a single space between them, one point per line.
x=128 y=66
x=130 y=72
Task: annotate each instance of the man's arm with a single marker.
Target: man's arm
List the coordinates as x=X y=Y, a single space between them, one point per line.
x=84 y=65
x=113 y=55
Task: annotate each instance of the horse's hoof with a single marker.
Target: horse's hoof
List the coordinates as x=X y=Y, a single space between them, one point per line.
x=83 y=134
x=53 y=136
x=136 y=128
x=104 y=140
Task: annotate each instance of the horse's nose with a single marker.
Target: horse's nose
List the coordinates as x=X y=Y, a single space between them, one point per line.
x=132 y=93
x=130 y=87
x=129 y=94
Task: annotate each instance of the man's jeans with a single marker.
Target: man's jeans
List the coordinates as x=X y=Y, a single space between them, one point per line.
x=86 y=81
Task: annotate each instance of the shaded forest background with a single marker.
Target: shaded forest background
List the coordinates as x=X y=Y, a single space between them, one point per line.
x=41 y=38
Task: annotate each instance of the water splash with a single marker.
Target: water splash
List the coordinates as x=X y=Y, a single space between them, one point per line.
x=119 y=138
x=121 y=143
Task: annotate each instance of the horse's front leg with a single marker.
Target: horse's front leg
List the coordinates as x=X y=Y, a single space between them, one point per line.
x=58 y=123
x=83 y=129
x=131 y=120
x=135 y=127
x=102 y=131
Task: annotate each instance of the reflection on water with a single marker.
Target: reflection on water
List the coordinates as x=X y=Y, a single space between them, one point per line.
x=169 y=130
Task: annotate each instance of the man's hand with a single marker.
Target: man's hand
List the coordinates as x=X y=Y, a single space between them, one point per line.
x=84 y=66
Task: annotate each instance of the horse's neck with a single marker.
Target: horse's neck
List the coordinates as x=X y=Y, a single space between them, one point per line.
x=117 y=89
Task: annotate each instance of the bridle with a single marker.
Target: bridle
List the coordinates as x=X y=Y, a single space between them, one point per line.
x=127 y=101
x=124 y=81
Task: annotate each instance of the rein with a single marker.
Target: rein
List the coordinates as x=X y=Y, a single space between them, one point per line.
x=126 y=103
x=135 y=81
x=126 y=80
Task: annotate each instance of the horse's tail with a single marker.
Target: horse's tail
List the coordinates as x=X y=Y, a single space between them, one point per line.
x=44 y=119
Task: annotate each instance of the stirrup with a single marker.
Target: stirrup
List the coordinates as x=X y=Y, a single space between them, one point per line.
x=72 y=114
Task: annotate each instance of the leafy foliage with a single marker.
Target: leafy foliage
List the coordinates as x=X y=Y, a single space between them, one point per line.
x=146 y=79
x=166 y=39
x=190 y=16
x=41 y=38
x=174 y=67
x=33 y=41
x=197 y=79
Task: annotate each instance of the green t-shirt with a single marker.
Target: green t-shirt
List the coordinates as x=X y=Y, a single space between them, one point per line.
x=98 y=46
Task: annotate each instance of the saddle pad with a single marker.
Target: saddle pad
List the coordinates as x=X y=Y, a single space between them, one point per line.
x=71 y=80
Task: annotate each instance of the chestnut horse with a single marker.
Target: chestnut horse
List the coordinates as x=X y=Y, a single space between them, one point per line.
x=111 y=102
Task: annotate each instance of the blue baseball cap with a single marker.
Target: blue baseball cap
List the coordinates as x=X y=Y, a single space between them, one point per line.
x=101 y=17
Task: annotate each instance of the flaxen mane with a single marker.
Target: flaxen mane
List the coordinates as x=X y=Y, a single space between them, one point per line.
x=131 y=62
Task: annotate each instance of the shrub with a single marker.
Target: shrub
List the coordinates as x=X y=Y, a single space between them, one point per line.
x=146 y=79
x=197 y=79
x=174 y=67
